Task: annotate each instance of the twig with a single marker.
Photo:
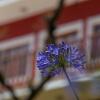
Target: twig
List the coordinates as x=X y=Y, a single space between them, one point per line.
x=34 y=92
x=52 y=21
x=8 y=87
x=51 y=27
x=70 y=84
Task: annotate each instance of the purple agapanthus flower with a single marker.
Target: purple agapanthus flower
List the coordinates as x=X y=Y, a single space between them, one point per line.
x=51 y=60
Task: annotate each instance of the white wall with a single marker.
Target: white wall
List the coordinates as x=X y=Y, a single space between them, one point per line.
x=23 y=8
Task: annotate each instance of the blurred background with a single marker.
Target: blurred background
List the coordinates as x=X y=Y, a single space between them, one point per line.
x=23 y=33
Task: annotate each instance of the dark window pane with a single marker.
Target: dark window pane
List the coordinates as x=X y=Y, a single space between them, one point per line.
x=96 y=42
x=13 y=61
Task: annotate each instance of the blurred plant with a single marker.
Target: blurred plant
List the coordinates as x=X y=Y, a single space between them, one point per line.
x=51 y=22
x=51 y=27
x=51 y=60
x=8 y=87
x=56 y=58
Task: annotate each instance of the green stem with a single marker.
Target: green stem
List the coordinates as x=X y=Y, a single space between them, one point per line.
x=70 y=83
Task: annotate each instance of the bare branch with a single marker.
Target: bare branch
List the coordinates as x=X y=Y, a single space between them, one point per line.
x=8 y=87
x=51 y=27
x=52 y=21
x=34 y=92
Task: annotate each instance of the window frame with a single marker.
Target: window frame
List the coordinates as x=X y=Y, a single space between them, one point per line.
x=15 y=42
x=91 y=22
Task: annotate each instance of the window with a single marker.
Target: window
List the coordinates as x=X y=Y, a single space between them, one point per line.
x=93 y=39
x=12 y=61
x=16 y=58
x=70 y=37
x=95 y=52
x=71 y=33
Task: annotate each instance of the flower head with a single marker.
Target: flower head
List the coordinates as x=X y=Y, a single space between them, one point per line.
x=47 y=61
x=51 y=60
x=76 y=58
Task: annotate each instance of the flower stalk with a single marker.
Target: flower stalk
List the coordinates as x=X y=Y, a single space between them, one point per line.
x=70 y=83
x=53 y=60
